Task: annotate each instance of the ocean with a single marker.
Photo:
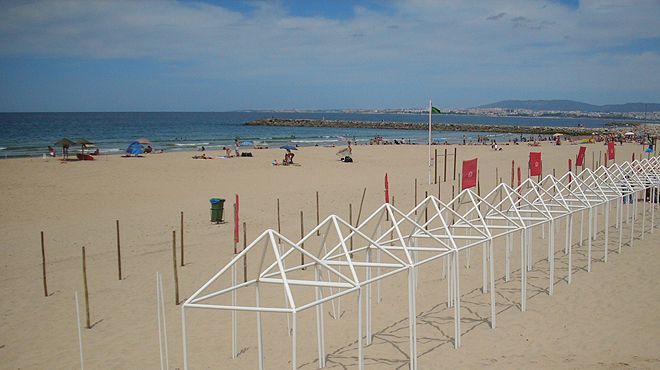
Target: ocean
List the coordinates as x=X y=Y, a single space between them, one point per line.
x=29 y=134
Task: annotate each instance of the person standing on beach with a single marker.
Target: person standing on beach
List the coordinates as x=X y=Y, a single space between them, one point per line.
x=237 y=147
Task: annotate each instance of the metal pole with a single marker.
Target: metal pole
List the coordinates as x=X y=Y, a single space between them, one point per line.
x=184 y=338
x=570 y=248
x=551 y=256
x=589 y=240
x=260 y=339
x=492 y=285
x=82 y=362
x=607 y=227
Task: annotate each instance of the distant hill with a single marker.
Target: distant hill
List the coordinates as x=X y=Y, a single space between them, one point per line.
x=571 y=105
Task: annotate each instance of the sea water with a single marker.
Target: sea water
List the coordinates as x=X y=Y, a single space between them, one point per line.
x=29 y=134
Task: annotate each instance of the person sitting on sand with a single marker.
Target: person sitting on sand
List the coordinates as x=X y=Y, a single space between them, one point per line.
x=227 y=151
x=149 y=149
x=288 y=158
x=51 y=151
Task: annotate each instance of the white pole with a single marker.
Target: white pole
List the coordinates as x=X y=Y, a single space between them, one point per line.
x=568 y=232
x=543 y=231
x=162 y=328
x=551 y=257
x=450 y=283
x=507 y=264
x=619 y=209
x=368 y=273
x=632 y=218
x=607 y=227
x=184 y=337
x=82 y=366
x=492 y=285
x=484 y=269
x=581 y=227
x=570 y=249
x=294 y=329
x=234 y=326
x=319 y=323
x=595 y=219
x=360 y=354
x=260 y=338
x=654 y=198
x=628 y=207
x=457 y=301
x=411 y=316
x=644 y=212
x=162 y=314
x=530 y=246
x=618 y=206
x=523 y=269
x=430 y=163
x=591 y=216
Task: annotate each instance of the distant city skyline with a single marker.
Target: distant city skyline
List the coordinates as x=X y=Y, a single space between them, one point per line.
x=295 y=54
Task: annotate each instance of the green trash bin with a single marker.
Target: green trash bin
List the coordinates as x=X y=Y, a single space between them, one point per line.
x=217 y=209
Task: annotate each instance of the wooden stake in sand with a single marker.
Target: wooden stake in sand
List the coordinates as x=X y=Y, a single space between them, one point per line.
x=176 y=273
x=84 y=268
x=235 y=238
x=364 y=192
x=318 y=216
x=445 y=169
x=350 y=221
x=302 y=234
x=245 y=255
x=415 y=204
x=435 y=163
x=118 y=252
x=455 y=163
x=182 y=239
x=43 y=264
x=279 y=225
x=513 y=166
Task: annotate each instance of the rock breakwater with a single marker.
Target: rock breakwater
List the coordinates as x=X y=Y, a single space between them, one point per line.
x=540 y=130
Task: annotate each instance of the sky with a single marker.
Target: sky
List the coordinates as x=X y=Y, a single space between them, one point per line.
x=58 y=55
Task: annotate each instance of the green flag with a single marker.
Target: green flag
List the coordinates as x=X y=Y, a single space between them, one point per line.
x=435 y=110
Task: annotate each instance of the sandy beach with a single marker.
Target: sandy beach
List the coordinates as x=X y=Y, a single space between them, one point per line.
x=607 y=318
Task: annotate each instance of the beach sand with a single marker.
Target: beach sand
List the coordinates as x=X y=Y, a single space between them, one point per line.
x=607 y=318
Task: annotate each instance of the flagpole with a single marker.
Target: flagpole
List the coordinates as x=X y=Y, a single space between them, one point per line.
x=430 y=164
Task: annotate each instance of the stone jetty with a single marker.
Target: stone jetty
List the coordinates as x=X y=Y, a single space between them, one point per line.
x=536 y=130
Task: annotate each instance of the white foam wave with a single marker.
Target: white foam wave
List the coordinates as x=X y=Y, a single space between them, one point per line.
x=190 y=144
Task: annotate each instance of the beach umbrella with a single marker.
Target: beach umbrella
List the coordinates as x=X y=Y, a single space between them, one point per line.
x=629 y=134
x=247 y=143
x=83 y=144
x=64 y=143
x=558 y=134
x=288 y=147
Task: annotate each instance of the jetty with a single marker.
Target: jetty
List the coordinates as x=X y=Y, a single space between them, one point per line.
x=536 y=130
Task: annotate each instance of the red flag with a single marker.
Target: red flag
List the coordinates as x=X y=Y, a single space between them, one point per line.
x=236 y=223
x=535 y=164
x=610 y=150
x=387 y=190
x=469 y=179
x=580 y=158
x=570 y=167
x=518 y=175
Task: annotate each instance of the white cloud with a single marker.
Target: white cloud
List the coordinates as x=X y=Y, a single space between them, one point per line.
x=449 y=43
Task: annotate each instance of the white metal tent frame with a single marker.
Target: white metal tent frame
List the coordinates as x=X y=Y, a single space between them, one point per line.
x=444 y=234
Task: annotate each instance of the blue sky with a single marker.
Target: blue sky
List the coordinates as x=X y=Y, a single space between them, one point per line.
x=231 y=55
